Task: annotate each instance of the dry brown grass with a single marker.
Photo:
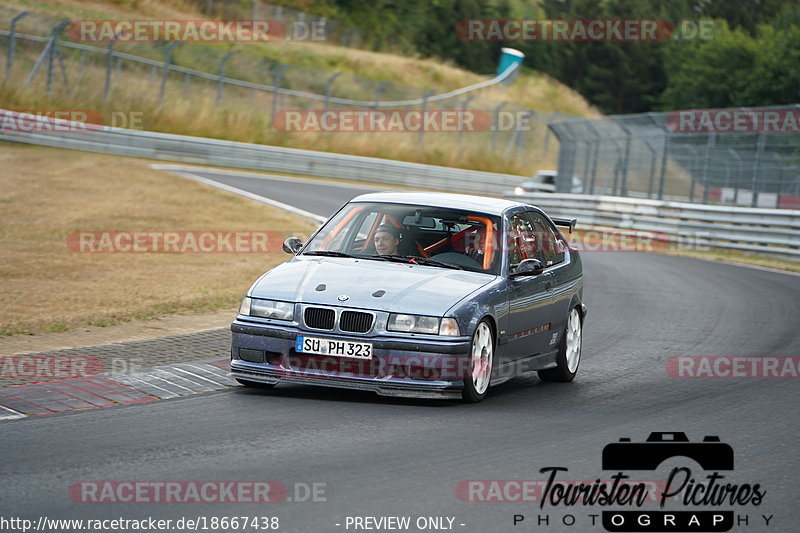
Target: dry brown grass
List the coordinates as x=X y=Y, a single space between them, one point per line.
x=46 y=194
x=243 y=117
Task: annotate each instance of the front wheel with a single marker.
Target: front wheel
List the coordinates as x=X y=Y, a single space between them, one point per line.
x=569 y=352
x=481 y=353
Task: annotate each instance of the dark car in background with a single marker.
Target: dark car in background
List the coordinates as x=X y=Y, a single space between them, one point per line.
x=478 y=290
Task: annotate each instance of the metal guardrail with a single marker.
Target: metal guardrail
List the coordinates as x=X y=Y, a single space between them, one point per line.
x=774 y=232
x=767 y=231
x=199 y=150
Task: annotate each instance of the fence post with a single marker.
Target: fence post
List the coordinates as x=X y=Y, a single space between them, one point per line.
x=652 y=174
x=464 y=107
x=693 y=172
x=378 y=92
x=735 y=154
x=221 y=77
x=626 y=154
x=756 y=168
x=328 y=87
x=617 y=166
x=63 y=69
x=109 y=66
x=712 y=141
x=495 y=126
x=566 y=151
x=50 y=50
x=664 y=158
x=11 y=42
x=597 y=141
x=277 y=77
x=81 y=65
x=427 y=95
x=589 y=150
x=165 y=73
x=780 y=180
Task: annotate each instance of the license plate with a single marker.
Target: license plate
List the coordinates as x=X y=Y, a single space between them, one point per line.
x=315 y=345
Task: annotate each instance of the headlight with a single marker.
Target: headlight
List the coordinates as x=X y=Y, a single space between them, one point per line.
x=519 y=190
x=270 y=309
x=431 y=325
x=244 y=308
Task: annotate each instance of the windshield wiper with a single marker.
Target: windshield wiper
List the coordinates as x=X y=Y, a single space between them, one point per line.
x=419 y=261
x=333 y=253
x=330 y=253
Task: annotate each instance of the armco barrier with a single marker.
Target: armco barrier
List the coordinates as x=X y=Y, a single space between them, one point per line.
x=199 y=150
x=767 y=231
x=773 y=232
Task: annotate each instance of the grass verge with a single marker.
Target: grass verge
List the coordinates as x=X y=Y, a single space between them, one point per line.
x=47 y=194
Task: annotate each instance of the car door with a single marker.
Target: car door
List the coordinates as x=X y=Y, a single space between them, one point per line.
x=565 y=283
x=530 y=297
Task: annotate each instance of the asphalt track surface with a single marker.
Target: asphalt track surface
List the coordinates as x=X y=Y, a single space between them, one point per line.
x=397 y=457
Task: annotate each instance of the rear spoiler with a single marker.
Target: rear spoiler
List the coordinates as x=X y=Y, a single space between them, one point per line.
x=566 y=222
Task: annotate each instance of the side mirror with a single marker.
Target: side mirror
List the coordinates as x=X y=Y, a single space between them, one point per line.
x=528 y=267
x=292 y=245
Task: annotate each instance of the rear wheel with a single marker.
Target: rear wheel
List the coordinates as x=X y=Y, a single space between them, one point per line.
x=481 y=352
x=569 y=352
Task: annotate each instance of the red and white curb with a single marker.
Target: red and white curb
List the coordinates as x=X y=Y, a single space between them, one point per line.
x=115 y=388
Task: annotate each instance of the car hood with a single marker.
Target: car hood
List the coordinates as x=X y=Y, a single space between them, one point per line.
x=415 y=289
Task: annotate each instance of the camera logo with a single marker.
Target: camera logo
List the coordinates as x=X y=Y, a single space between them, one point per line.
x=711 y=454
x=682 y=488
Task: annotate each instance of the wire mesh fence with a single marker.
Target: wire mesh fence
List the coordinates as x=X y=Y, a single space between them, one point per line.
x=742 y=156
x=41 y=55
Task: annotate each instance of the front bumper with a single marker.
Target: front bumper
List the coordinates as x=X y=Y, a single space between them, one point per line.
x=411 y=367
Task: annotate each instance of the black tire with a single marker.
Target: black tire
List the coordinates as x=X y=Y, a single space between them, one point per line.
x=255 y=384
x=567 y=367
x=475 y=388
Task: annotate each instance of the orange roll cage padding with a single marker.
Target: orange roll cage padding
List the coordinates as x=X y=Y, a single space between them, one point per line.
x=371 y=232
x=340 y=226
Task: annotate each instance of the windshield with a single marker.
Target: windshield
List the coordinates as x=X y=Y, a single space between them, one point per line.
x=548 y=179
x=433 y=236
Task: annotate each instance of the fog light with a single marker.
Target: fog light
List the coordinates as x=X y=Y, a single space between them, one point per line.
x=251 y=356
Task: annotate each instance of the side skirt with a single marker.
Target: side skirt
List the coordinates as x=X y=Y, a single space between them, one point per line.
x=512 y=369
